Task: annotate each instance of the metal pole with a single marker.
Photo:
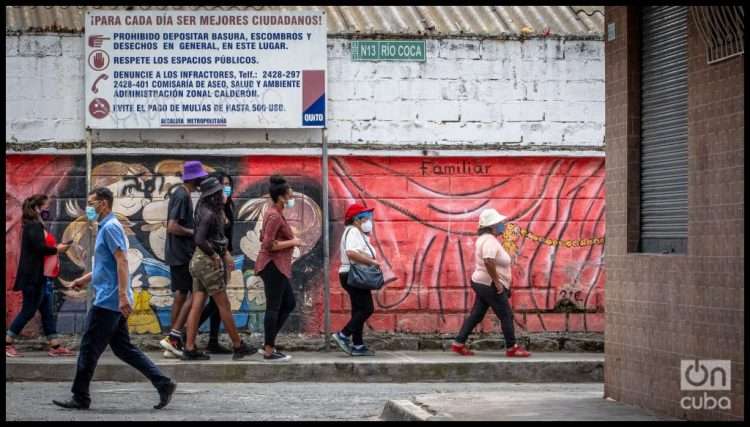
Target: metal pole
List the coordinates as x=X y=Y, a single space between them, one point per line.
x=90 y=257
x=326 y=263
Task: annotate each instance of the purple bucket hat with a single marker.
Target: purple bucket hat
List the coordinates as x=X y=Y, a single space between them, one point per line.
x=193 y=169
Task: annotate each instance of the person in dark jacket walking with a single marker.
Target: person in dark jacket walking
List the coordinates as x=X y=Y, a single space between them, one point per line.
x=209 y=268
x=30 y=277
x=211 y=311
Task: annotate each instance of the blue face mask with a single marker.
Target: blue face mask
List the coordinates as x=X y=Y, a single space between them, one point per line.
x=91 y=213
x=227 y=191
x=500 y=228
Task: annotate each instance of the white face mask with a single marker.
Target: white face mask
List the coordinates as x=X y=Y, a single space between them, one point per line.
x=367 y=226
x=290 y=203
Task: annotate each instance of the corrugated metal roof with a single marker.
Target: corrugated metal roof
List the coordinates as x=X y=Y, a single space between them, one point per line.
x=353 y=21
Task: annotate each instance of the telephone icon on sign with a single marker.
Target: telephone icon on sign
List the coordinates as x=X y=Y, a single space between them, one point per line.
x=93 y=86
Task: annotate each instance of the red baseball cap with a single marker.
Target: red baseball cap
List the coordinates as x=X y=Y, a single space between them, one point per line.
x=355 y=210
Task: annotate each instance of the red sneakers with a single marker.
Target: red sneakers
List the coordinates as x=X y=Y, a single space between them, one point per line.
x=10 y=351
x=60 y=352
x=517 y=351
x=461 y=349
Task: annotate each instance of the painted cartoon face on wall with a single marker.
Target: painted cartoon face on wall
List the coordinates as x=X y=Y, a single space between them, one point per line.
x=167 y=177
x=127 y=181
x=304 y=219
x=136 y=190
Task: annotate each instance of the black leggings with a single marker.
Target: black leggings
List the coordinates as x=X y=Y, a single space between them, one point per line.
x=211 y=311
x=486 y=297
x=279 y=301
x=362 y=309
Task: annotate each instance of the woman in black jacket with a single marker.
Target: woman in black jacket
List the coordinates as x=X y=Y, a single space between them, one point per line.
x=211 y=311
x=30 y=278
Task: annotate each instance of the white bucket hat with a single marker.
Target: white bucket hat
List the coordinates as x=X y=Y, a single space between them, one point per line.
x=490 y=217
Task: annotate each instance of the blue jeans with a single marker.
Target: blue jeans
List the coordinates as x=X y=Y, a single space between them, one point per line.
x=36 y=299
x=106 y=327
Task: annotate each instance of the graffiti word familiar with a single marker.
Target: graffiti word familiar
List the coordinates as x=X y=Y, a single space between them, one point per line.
x=465 y=167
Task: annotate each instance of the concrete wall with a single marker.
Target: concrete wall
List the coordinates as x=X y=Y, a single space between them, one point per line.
x=662 y=309
x=515 y=125
x=425 y=223
x=536 y=95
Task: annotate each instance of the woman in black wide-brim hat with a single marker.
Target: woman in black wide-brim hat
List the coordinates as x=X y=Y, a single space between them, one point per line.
x=208 y=270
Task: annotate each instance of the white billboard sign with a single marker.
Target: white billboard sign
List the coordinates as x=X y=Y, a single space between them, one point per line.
x=205 y=69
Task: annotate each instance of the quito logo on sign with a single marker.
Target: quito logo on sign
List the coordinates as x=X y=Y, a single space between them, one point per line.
x=705 y=376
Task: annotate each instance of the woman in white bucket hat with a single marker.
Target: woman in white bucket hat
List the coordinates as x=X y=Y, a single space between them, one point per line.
x=491 y=284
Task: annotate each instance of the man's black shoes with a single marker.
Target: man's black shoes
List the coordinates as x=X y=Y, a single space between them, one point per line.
x=70 y=404
x=165 y=395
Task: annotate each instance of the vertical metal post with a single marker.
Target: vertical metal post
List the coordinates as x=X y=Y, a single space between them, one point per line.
x=326 y=246
x=89 y=258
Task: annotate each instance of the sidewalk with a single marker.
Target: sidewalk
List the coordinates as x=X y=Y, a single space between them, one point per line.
x=387 y=366
x=517 y=402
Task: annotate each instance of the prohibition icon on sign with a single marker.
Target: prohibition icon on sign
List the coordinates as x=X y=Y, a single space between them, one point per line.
x=98 y=60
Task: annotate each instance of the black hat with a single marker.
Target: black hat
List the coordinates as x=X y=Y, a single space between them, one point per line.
x=210 y=186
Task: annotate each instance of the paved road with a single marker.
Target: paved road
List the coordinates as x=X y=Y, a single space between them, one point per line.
x=516 y=405
x=246 y=402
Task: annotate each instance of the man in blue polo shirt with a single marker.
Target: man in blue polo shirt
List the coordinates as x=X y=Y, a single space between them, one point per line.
x=106 y=323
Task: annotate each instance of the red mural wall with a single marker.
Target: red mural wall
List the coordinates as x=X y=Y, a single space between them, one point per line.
x=426 y=213
x=425 y=226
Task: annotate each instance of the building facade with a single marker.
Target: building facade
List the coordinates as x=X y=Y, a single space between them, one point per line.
x=666 y=306
x=506 y=112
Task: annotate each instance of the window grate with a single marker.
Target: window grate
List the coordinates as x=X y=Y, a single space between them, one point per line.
x=722 y=29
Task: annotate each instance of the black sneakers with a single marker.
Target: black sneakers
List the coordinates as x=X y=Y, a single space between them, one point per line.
x=363 y=351
x=165 y=395
x=215 y=348
x=194 y=355
x=243 y=350
x=276 y=356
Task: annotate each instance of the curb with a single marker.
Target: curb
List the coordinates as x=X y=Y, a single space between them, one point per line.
x=581 y=371
x=405 y=410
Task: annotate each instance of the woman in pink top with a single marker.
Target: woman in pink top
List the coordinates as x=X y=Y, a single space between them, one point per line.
x=274 y=265
x=491 y=284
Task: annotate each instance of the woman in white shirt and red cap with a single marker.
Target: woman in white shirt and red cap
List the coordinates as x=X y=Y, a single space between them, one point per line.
x=356 y=248
x=491 y=284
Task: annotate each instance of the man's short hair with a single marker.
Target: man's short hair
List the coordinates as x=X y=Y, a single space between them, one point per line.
x=103 y=193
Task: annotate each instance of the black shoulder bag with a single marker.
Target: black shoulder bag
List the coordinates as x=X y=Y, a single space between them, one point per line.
x=364 y=276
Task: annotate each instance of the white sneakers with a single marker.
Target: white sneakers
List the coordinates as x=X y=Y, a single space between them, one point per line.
x=167 y=345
